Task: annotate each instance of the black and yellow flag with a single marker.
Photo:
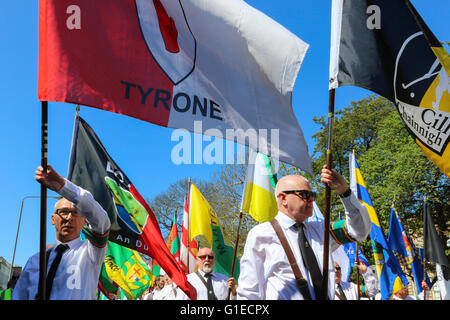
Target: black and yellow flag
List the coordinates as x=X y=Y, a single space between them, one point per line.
x=385 y=47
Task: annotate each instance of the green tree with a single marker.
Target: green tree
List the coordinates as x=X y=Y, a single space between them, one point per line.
x=223 y=193
x=392 y=165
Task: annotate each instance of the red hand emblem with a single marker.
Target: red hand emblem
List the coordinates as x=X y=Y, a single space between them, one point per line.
x=167 y=27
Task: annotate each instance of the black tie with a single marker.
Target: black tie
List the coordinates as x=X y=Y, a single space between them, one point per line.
x=51 y=273
x=341 y=292
x=310 y=262
x=209 y=287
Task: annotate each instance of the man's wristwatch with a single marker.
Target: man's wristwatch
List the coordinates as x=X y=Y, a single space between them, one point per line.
x=346 y=193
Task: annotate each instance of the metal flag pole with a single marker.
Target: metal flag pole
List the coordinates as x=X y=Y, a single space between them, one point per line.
x=43 y=222
x=18 y=228
x=326 y=235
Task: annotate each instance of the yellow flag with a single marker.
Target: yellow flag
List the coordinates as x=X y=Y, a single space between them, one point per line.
x=202 y=215
x=204 y=221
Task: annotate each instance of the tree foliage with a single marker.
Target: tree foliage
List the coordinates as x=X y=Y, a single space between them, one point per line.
x=392 y=164
x=223 y=193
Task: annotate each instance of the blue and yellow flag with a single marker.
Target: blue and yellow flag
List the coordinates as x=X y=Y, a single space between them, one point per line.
x=405 y=250
x=390 y=274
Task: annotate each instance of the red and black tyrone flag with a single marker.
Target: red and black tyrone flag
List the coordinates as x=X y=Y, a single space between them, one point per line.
x=384 y=46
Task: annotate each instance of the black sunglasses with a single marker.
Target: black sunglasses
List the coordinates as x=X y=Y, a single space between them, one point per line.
x=304 y=194
x=206 y=256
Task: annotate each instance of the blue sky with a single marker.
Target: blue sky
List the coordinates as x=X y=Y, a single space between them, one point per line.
x=141 y=149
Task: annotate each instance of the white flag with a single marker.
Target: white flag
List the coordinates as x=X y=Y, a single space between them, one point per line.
x=188 y=249
x=444 y=285
x=246 y=65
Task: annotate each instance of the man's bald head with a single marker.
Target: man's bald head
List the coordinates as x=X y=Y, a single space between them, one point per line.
x=292 y=204
x=290 y=182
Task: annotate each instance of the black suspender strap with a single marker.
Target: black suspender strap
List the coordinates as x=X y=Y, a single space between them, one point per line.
x=300 y=281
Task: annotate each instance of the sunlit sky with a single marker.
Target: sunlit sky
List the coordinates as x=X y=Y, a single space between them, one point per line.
x=141 y=149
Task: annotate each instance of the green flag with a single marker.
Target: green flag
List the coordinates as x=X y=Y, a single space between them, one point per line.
x=173 y=242
x=126 y=268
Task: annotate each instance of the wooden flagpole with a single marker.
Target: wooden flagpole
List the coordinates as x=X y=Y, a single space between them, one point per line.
x=188 y=225
x=357 y=270
x=357 y=258
x=326 y=235
x=235 y=252
x=43 y=227
x=424 y=262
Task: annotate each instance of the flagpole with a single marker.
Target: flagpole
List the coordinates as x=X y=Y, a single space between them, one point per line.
x=72 y=145
x=43 y=220
x=188 y=224
x=235 y=252
x=424 y=261
x=357 y=270
x=357 y=259
x=18 y=228
x=326 y=236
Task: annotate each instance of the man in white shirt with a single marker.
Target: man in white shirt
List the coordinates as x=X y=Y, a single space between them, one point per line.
x=199 y=279
x=166 y=289
x=402 y=294
x=77 y=274
x=266 y=273
x=349 y=290
x=158 y=292
x=170 y=289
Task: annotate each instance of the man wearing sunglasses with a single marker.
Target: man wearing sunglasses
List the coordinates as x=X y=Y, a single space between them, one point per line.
x=283 y=258
x=210 y=285
x=73 y=265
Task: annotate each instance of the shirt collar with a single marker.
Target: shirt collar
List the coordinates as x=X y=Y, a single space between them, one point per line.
x=72 y=244
x=203 y=273
x=285 y=221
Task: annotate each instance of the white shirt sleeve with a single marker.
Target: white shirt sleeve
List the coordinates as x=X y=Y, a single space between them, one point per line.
x=357 y=218
x=87 y=206
x=95 y=215
x=252 y=276
x=370 y=282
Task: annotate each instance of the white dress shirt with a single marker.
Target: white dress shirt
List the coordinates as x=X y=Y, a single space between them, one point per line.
x=265 y=272
x=148 y=296
x=168 y=292
x=408 y=297
x=78 y=272
x=219 y=282
x=350 y=289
